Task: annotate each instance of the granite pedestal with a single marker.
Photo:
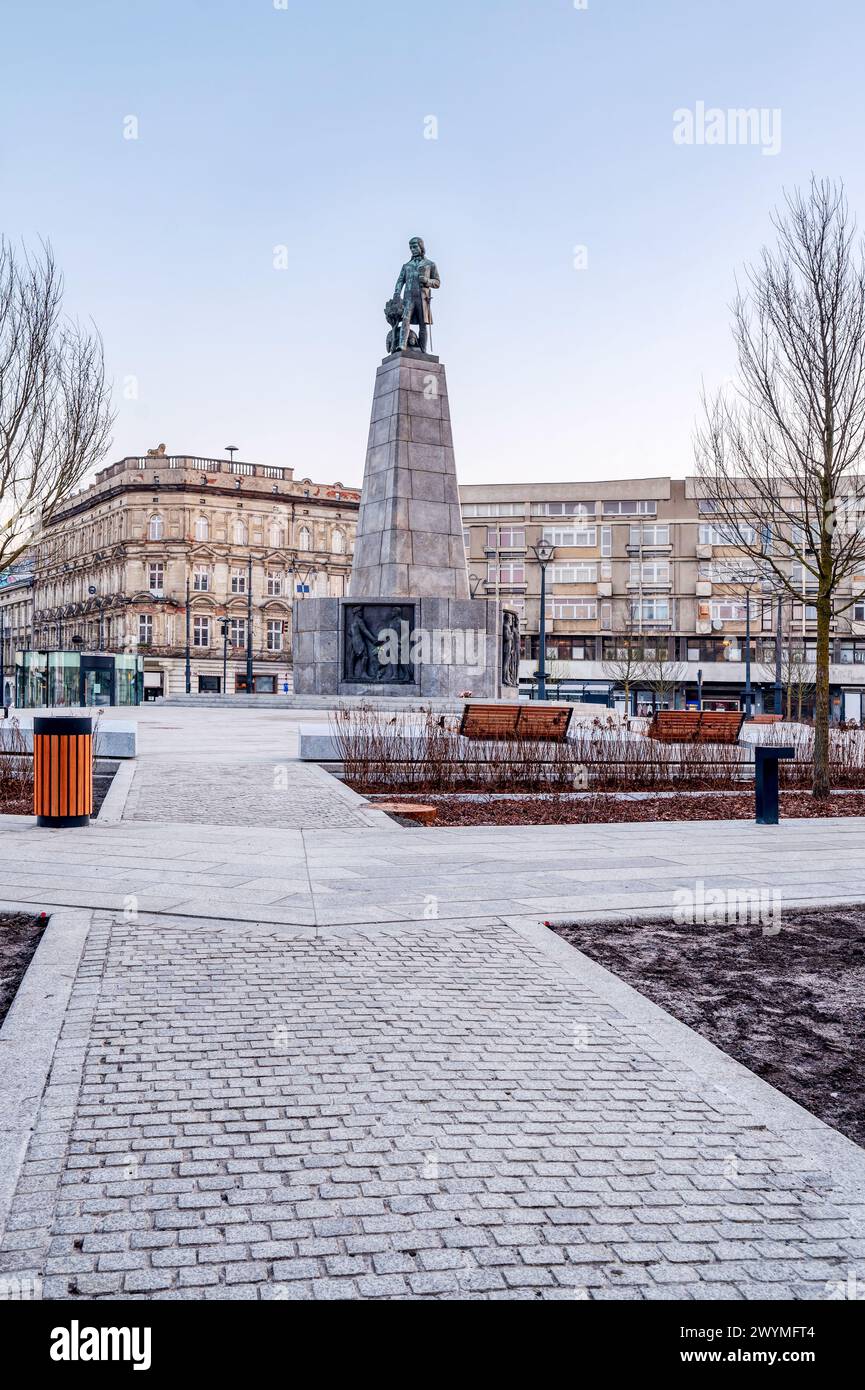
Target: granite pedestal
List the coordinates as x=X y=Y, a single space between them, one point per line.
x=409 y=567
x=454 y=628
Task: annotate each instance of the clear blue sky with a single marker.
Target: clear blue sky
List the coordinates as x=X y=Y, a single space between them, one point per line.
x=303 y=126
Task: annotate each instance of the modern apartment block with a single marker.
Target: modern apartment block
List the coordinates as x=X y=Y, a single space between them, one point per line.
x=157 y=538
x=647 y=557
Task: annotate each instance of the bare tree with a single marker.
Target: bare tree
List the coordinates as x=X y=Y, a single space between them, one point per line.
x=55 y=417
x=627 y=667
x=661 y=673
x=781 y=454
x=798 y=676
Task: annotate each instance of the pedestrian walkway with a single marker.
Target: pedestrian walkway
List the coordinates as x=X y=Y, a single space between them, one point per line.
x=344 y=1059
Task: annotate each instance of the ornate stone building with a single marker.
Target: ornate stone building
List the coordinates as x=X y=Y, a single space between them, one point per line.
x=160 y=544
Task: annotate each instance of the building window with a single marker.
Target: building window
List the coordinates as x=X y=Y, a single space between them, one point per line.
x=145 y=629
x=630 y=508
x=467 y=539
x=572 y=609
x=859 y=612
x=580 y=572
x=729 y=570
x=650 y=572
x=651 y=610
x=473 y=509
x=277 y=535
x=201 y=579
x=200 y=631
x=274 y=582
x=337 y=543
x=237 y=632
x=730 y=610
x=509 y=572
x=156 y=529
x=274 y=634
x=304 y=538
x=238 y=581
x=506 y=538
x=715 y=534
x=202 y=529
x=563 y=509
x=240 y=532
x=156 y=579
x=607 y=541
x=572 y=536
x=649 y=535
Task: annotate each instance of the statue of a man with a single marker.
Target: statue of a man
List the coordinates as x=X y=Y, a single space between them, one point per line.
x=416 y=282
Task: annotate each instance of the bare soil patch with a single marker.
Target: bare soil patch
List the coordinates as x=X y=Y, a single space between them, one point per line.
x=19 y=936
x=790 y=1006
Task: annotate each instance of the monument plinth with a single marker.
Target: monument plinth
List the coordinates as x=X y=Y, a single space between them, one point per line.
x=409 y=626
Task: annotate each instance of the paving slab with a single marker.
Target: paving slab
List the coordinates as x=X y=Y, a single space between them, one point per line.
x=302 y=1052
x=353 y=1112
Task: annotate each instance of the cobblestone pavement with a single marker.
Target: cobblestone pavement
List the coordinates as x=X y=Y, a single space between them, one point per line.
x=424 y=1110
x=274 y=792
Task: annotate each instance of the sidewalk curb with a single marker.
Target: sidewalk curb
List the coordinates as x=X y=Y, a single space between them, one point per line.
x=28 y=1039
x=112 y=808
x=823 y=1146
x=371 y=816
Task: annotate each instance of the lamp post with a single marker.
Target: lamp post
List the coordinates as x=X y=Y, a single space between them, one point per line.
x=748 y=694
x=543 y=553
x=249 y=676
x=778 y=639
x=225 y=656
x=188 y=654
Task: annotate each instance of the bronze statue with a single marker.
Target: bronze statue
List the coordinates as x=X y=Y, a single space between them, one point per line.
x=510 y=648
x=415 y=284
x=393 y=314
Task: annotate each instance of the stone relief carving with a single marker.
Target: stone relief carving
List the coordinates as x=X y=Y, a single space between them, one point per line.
x=377 y=643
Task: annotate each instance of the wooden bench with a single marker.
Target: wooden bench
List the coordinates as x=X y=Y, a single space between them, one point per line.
x=541 y=722
x=695 y=726
x=766 y=719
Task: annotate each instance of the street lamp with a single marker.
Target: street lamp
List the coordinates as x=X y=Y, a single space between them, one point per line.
x=249 y=675
x=188 y=654
x=225 y=656
x=231 y=450
x=543 y=553
x=779 y=623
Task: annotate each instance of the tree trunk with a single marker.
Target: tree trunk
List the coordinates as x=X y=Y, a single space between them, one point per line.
x=821 y=711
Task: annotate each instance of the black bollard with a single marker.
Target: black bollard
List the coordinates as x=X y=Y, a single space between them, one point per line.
x=766 y=782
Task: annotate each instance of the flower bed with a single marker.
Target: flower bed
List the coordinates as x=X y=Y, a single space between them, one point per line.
x=600 y=808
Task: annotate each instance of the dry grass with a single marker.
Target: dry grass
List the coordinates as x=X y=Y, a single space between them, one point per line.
x=378 y=755
x=16 y=773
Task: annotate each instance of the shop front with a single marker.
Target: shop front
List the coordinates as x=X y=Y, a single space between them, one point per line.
x=61 y=679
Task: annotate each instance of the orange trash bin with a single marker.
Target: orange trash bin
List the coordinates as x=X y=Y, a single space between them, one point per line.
x=62 y=770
